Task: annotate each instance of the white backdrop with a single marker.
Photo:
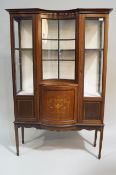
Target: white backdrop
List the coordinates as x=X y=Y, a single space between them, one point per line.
x=49 y=152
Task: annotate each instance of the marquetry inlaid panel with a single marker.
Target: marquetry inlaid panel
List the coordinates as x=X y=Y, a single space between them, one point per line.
x=58 y=105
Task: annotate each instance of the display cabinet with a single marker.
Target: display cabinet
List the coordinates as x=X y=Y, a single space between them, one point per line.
x=59 y=61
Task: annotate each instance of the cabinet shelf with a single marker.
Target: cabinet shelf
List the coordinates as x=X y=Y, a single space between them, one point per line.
x=61 y=50
x=92 y=49
x=23 y=49
x=57 y=60
x=58 y=39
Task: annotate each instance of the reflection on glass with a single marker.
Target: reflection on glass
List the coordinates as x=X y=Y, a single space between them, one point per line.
x=17 y=71
x=16 y=34
x=94 y=33
x=50 y=54
x=49 y=29
x=67 y=55
x=24 y=73
x=93 y=73
x=50 y=70
x=58 y=49
x=49 y=44
x=26 y=33
x=23 y=33
x=67 y=70
x=67 y=45
x=67 y=29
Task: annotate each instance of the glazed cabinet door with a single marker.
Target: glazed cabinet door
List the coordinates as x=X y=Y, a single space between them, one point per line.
x=58 y=86
x=23 y=65
x=95 y=28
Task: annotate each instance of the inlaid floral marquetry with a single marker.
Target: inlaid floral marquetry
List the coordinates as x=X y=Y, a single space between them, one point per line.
x=58 y=104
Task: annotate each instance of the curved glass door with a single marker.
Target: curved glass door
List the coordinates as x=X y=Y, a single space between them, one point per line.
x=58 y=49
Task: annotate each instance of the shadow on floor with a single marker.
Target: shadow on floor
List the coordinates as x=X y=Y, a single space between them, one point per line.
x=49 y=140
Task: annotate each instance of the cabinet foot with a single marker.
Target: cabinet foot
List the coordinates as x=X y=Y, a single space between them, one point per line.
x=16 y=139
x=100 y=142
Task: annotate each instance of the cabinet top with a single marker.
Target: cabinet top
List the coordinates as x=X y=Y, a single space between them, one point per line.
x=78 y=10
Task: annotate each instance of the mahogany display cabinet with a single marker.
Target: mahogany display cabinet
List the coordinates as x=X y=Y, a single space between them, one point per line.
x=59 y=61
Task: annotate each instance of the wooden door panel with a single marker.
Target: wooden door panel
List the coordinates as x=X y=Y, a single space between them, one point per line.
x=25 y=109
x=58 y=104
x=92 y=111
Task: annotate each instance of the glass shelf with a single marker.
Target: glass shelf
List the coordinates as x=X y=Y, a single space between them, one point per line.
x=23 y=49
x=56 y=60
x=93 y=49
x=67 y=54
x=25 y=92
x=92 y=94
x=59 y=39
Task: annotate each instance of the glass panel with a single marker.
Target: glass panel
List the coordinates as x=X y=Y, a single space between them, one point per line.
x=67 y=45
x=94 y=33
x=67 y=69
x=17 y=71
x=26 y=33
x=23 y=33
x=49 y=44
x=16 y=34
x=49 y=55
x=94 y=45
x=50 y=70
x=49 y=29
x=23 y=55
x=67 y=29
x=55 y=48
x=67 y=55
x=24 y=73
x=93 y=73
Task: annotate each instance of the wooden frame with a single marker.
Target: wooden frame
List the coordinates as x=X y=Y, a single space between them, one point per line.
x=35 y=117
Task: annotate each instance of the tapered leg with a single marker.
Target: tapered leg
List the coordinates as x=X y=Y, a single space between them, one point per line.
x=95 y=139
x=22 y=131
x=100 y=143
x=16 y=138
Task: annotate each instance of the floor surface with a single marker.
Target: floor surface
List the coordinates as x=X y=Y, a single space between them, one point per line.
x=57 y=153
